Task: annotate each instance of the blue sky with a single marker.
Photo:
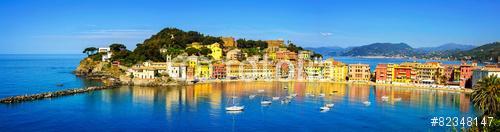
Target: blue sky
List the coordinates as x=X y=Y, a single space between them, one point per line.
x=67 y=26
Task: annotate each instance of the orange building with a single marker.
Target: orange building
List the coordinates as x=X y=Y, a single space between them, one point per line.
x=381 y=73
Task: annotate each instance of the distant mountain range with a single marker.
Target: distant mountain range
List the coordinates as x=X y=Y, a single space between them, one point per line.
x=488 y=52
x=328 y=51
x=380 y=49
x=444 y=47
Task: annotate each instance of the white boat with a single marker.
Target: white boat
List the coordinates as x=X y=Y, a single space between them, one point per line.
x=397 y=99
x=289 y=97
x=265 y=102
x=234 y=112
x=276 y=98
x=235 y=108
x=321 y=95
x=294 y=95
x=251 y=96
x=324 y=108
x=367 y=103
x=329 y=105
x=260 y=90
x=285 y=101
x=285 y=87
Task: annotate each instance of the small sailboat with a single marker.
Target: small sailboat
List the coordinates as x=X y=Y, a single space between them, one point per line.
x=260 y=90
x=285 y=101
x=329 y=105
x=289 y=97
x=265 y=102
x=367 y=103
x=324 y=108
x=234 y=107
x=321 y=95
x=285 y=87
x=276 y=98
x=251 y=96
x=397 y=99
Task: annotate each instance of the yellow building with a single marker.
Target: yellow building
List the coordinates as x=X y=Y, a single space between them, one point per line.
x=195 y=45
x=228 y=42
x=334 y=70
x=192 y=61
x=428 y=73
x=314 y=72
x=390 y=72
x=216 y=51
x=359 y=72
x=339 y=73
x=203 y=71
x=234 y=69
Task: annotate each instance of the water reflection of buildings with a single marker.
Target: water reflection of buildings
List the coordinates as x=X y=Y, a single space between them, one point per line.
x=215 y=95
x=359 y=92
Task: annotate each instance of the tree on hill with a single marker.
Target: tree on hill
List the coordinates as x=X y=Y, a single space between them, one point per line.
x=90 y=50
x=294 y=48
x=316 y=55
x=243 y=43
x=117 y=47
x=191 y=51
x=205 y=51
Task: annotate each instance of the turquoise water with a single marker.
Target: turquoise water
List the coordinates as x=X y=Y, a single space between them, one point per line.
x=29 y=74
x=201 y=107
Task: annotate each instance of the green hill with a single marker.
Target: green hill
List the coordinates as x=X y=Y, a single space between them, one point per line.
x=486 y=53
x=381 y=49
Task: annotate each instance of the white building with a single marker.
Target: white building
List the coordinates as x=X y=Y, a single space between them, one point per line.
x=478 y=74
x=107 y=54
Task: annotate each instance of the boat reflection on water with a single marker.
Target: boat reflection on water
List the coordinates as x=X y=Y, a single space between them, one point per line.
x=208 y=102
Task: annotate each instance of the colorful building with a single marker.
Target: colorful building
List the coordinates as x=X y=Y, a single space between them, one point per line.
x=228 y=42
x=359 y=73
x=219 y=71
x=402 y=74
x=466 y=74
x=381 y=73
x=216 y=51
x=429 y=73
x=304 y=55
x=480 y=73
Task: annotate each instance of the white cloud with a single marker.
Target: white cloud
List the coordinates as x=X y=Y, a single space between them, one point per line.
x=326 y=34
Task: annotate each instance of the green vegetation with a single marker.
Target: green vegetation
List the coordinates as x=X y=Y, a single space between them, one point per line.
x=172 y=39
x=191 y=51
x=486 y=97
x=294 y=48
x=173 y=42
x=90 y=50
x=485 y=53
x=242 y=44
